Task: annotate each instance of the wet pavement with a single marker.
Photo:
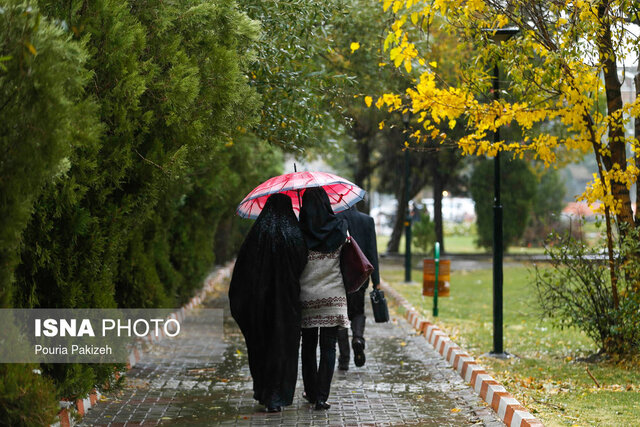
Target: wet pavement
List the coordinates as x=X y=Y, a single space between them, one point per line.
x=202 y=378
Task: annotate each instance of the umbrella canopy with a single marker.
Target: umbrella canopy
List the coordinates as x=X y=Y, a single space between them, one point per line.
x=342 y=193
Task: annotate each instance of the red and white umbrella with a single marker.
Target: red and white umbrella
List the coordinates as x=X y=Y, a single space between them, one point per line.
x=342 y=193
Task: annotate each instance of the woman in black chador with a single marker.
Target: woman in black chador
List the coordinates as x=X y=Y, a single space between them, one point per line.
x=265 y=300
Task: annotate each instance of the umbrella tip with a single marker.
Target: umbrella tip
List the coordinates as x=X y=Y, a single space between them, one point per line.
x=295 y=169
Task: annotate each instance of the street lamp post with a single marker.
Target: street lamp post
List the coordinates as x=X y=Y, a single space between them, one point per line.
x=406 y=117
x=498 y=35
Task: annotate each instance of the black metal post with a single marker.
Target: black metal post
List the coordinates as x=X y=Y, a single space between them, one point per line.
x=498 y=348
x=407 y=222
x=498 y=35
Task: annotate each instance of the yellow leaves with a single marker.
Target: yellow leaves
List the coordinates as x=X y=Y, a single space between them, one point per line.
x=354 y=46
x=407 y=65
x=557 y=82
x=389 y=40
x=397 y=25
x=368 y=100
x=501 y=21
x=31 y=48
x=598 y=192
x=403 y=53
x=441 y=5
x=394 y=102
x=381 y=125
x=455 y=410
x=475 y=5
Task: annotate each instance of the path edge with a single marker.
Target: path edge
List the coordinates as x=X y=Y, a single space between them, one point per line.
x=508 y=408
x=70 y=411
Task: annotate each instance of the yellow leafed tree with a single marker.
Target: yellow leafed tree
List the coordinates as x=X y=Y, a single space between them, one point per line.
x=562 y=69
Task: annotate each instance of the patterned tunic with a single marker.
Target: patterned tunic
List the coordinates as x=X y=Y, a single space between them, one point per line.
x=324 y=300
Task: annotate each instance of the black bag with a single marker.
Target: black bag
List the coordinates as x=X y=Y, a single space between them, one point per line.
x=354 y=265
x=379 y=306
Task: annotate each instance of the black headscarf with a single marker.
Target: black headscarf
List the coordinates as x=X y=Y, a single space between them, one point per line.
x=323 y=231
x=264 y=296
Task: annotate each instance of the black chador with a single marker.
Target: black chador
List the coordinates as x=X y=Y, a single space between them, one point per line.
x=265 y=300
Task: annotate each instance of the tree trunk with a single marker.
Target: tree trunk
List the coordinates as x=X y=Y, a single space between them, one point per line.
x=222 y=248
x=617 y=145
x=398 y=224
x=363 y=171
x=416 y=184
x=637 y=144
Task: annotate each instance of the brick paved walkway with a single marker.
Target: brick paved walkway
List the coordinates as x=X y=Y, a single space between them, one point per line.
x=203 y=379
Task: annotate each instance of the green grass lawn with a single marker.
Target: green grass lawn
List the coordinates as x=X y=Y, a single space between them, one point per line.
x=547 y=375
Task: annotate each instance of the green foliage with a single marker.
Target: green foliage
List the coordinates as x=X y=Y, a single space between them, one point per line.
x=26 y=398
x=547 y=207
x=43 y=117
x=290 y=71
x=424 y=233
x=577 y=292
x=549 y=198
x=518 y=189
x=45 y=122
x=126 y=148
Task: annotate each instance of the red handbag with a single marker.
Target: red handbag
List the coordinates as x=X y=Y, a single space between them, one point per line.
x=355 y=266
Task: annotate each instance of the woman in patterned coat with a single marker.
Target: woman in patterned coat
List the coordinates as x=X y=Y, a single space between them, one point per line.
x=322 y=294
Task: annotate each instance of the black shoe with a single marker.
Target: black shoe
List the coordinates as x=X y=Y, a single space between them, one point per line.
x=358 y=352
x=307 y=398
x=274 y=408
x=320 y=405
x=343 y=366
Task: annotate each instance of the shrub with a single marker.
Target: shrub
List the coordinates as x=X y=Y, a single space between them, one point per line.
x=43 y=116
x=26 y=399
x=424 y=233
x=120 y=137
x=577 y=291
x=518 y=186
x=546 y=210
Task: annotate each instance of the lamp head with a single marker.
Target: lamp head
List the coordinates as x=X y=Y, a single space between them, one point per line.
x=501 y=34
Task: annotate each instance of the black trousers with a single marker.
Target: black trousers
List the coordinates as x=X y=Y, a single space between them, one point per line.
x=317 y=378
x=355 y=307
x=355 y=303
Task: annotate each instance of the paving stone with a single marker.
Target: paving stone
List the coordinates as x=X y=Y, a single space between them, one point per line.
x=403 y=382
